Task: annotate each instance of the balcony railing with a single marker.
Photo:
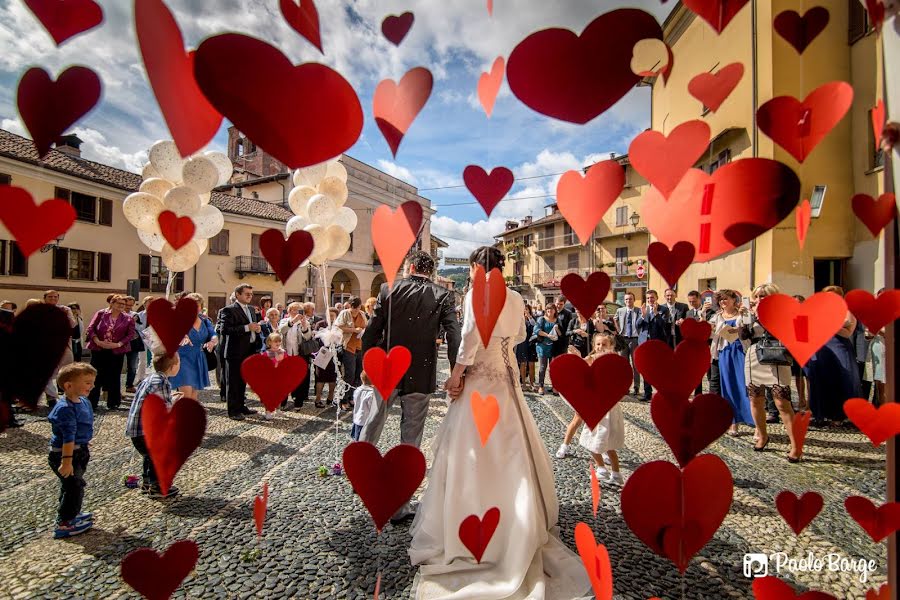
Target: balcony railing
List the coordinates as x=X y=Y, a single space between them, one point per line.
x=552 y=279
x=566 y=240
x=516 y=281
x=256 y=265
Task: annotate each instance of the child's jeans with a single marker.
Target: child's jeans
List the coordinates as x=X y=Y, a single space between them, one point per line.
x=148 y=474
x=71 y=488
x=355 y=431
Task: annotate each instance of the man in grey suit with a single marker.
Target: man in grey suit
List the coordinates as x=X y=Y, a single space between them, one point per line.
x=626 y=320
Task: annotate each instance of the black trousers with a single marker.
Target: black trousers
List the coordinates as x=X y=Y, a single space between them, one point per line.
x=301 y=394
x=352 y=362
x=71 y=488
x=148 y=473
x=715 y=384
x=236 y=387
x=109 y=377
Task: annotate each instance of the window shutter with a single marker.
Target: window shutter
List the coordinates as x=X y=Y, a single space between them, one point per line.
x=60 y=263
x=106 y=212
x=144 y=271
x=179 y=282
x=18 y=263
x=104 y=266
x=62 y=193
x=2 y=257
x=218 y=245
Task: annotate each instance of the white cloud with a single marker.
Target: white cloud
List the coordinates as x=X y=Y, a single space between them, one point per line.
x=395 y=170
x=15 y=126
x=97 y=148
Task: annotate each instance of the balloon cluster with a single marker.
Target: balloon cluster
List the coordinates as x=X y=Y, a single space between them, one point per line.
x=317 y=200
x=182 y=186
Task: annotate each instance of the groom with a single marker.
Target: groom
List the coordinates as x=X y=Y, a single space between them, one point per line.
x=412 y=315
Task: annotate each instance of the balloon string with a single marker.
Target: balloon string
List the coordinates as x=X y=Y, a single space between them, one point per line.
x=378 y=565
x=169 y=284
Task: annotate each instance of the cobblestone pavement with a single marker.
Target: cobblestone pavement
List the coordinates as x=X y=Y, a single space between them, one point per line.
x=319 y=542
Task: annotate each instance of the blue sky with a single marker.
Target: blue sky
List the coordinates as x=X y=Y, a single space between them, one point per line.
x=456 y=40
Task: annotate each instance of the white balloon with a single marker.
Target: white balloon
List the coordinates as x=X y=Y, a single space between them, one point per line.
x=202 y=245
x=336 y=169
x=200 y=174
x=142 y=209
x=208 y=222
x=182 y=259
x=298 y=198
x=337 y=240
x=335 y=189
x=223 y=165
x=166 y=158
x=154 y=241
x=310 y=176
x=149 y=171
x=156 y=186
x=296 y=224
x=346 y=219
x=183 y=201
x=205 y=198
x=320 y=209
x=320 y=244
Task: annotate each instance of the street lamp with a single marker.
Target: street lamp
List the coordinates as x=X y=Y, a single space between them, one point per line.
x=635 y=219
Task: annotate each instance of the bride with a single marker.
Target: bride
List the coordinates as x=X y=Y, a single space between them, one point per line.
x=525 y=558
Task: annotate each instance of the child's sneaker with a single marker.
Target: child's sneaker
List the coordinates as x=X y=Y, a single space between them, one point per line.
x=564 y=451
x=606 y=459
x=270 y=416
x=73 y=527
x=615 y=478
x=602 y=474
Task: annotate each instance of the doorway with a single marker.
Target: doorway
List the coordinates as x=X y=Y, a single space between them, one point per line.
x=829 y=271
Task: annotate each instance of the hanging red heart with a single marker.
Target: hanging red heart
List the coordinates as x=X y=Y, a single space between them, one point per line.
x=171 y=435
x=285 y=255
x=178 y=231
x=674 y=373
x=878 y=123
x=690 y=426
x=675 y=512
x=68 y=18
x=488 y=299
x=800 y=427
x=695 y=330
x=489 y=85
x=393 y=233
x=671 y=264
x=157 y=577
x=595 y=489
x=803 y=328
x=304 y=19
x=301 y=115
x=272 y=381
x=476 y=534
x=485 y=413
x=663 y=160
x=879 y=522
x=804 y=218
x=798 y=512
x=772 y=588
x=874 y=312
x=592 y=390
x=875 y=8
x=797 y=126
x=584 y=200
x=395 y=106
x=385 y=370
x=875 y=214
x=383 y=484
x=713 y=88
x=191 y=119
x=595 y=558
x=585 y=294
x=396 y=27
x=33 y=225
x=878 y=424
x=883 y=593
x=489 y=190
x=490 y=7
x=546 y=70
x=718 y=13
x=48 y=108
x=799 y=31
x=172 y=322
x=260 y=503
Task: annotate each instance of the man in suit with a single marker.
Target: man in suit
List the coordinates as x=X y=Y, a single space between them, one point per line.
x=677 y=313
x=626 y=321
x=238 y=325
x=655 y=323
x=698 y=313
x=565 y=312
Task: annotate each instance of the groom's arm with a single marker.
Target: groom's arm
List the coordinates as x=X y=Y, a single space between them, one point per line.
x=375 y=329
x=451 y=325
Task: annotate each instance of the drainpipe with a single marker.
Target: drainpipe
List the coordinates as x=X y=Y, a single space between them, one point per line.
x=284 y=202
x=755 y=72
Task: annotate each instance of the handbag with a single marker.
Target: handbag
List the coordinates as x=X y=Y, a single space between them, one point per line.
x=308 y=347
x=212 y=361
x=770 y=351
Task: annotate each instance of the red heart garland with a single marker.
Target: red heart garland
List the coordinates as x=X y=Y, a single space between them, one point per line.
x=285 y=255
x=385 y=370
x=690 y=426
x=584 y=200
x=488 y=300
x=803 y=328
x=798 y=512
x=804 y=218
x=172 y=323
x=875 y=214
x=272 y=381
x=671 y=264
x=64 y=19
x=674 y=373
x=879 y=522
x=178 y=231
x=800 y=427
x=395 y=28
x=718 y=13
x=260 y=503
x=489 y=190
x=695 y=330
x=595 y=558
x=799 y=31
x=396 y=105
x=713 y=88
x=663 y=160
x=878 y=123
x=171 y=435
x=157 y=577
x=33 y=225
x=772 y=588
x=393 y=233
x=476 y=534
x=874 y=312
x=585 y=294
x=879 y=424
x=592 y=390
x=304 y=19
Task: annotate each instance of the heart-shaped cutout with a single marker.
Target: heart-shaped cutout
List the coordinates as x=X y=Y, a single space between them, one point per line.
x=395 y=27
x=488 y=300
x=592 y=390
x=878 y=123
x=798 y=512
x=272 y=381
x=671 y=264
x=155 y=576
x=718 y=13
x=178 y=231
x=260 y=504
x=804 y=218
x=395 y=106
x=595 y=489
x=663 y=160
x=799 y=31
x=879 y=522
x=304 y=19
x=33 y=225
x=878 y=424
x=874 y=312
x=690 y=426
x=803 y=328
x=674 y=373
x=875 y=214
x=595 y=559
x=584 y=200
x=476 y=534
x=385 y=370
x=489 y=190
x=489 y=85
x=712 y=89
x=800 y=427
x=285 y=256
x=699 y=331
x=585 y=294
x=394 y=233
x=485 y=413
x=67 y=18
x=171 y=435
x=172 y=322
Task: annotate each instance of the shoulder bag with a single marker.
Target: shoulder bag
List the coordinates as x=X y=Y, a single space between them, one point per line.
x=770 y=351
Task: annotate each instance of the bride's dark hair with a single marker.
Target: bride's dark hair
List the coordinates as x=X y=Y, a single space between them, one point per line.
x=488 y=257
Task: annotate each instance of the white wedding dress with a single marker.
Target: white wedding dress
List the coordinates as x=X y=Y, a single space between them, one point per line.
x=524 y=559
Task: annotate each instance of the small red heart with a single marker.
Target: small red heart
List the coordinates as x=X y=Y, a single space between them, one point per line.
x=803 y=328
x=489 y=85
x=260 y=503
x=272 y=381
x=875 y=214
x=285 y=256
x=713 y=88
x=393 y=233
x=878 y=123
x=879 y=424
x=690 y=426
x=584 y=200
x=804 y=218
x=799 y=31
x=48 y=108
x=718 y=13
x=875 y=9
x=800 y=426
x=395 y=106
x=585 y=294
x=396 y=27
x=488 y=189
x=879 y=522
x=476 y=534
x=671 y=264
x=663 y=160
x=157 y=577
x=874 y=312
x=595 y=558
x=66 y=18
x=488 y=300
x=490 y=7
x=798 y=512
x=674 y=373
x=385 y=370
x=33 y=225
x=171 y=435
x=304 y=19
x=383 y=484
x=883 y=593
x=592 y=390
x=595 y=489
x=695 y=330
x=172 y=322
x=772 y=588
x=485 y=414
x=178 y=231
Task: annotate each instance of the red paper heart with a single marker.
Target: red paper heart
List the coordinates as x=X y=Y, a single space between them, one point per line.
x=301 y=115
x=674 y=373
x=488 y=299
x=64 y=19
x=797 y=126
x=718 y=13
x=285 y=255
x=800 y=426
x=804 y=218
x=260 y=503
x=798 y=512
x=272 y=381
x=157 y=577
x=172 y=323
x=875 y=8
x=547 y=69
x=584 y=201
x=385 y=370
x=662 y=160
x=692 y=502
x=490 y=7
x=585 y=294
x=178 y=231
x=690 y=426
x=595 y=558
x=396 y=27
x=772 y=588
x=592 y=390
x=878 y=123
x=33 y=225
x=803 y=328
x=671 y=264
x=883 y=593
x=191 y=119
x=395 y=106
x=48 y=108
x=304 y=19
x=595 y=489
x=695 y=330
x=489 y=85
x=879 y=424
x=485 y=413
x=171 y=435
x=875 y=313
x=713 y=88
x=393 y=233
x=875 y=214
x=879 y=522
x=489 y=190
x=383 y=484
x=476 y=534
x=799 y=31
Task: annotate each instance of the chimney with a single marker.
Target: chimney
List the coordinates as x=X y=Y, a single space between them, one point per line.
x=70 y=144
x=511 y=225
x=526 y=221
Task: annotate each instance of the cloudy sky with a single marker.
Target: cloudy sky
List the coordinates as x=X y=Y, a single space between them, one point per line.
x=455 y=39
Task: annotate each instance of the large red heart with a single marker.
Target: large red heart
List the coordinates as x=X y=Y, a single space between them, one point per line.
x=585 y=294
x=272 y=381
x=192 y=120
x=488 y=189
x=878 y=123
x=875 y=214
x=488 y=299
x=547 y=69
x=799 y=31
x=713 y=88
x=171 y=435
x=395 y=106
x=48 y=108
x=489 y=85
x=718 y=13
x=476 y=534
x=595 y=558
x=393 y=233
x=157 y=577
x=703 y=207
x=304 y=19
x=33 y=225
x=260 y=504
x=663 y=160
x=689 y=426
x=879 y=522
x=383 y=484
x=584 y=201
x=178 y=231
x=285 y=255
x=804 y=217
x=671 y=264
x=879 y=424
x=674 y=373
x=685 y=506
x=395 y=28
x=874 y=312
x=172 y=323
x=692 y=329
x=592 y=390
x=386 y=369
x=803 y=328
x=66 y=18
x=798 y=512
x=797 y=126
x=772 y=588
x=301 y=115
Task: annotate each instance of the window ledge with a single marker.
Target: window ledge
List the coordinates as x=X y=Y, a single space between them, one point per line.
x=875 y=170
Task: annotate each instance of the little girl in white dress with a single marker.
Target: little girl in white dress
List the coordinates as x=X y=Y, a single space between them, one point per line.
x=609 y=435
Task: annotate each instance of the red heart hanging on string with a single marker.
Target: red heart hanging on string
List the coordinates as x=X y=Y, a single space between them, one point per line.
x=800 y=427
x=485 y=413
x=489 y=190
x=695 y=330
x=546 y=70
x=393 y=233
x=595 y=558
x=385 y=370
x=772 y=588
x=883 y=593
x=799 y=31
x=64 y=19
x=663 y=160
x=875 y=214
x=875 y=8
x=690 y=426
x=172 y=322
x=718 y=13
x=171 y=435
x=272 y=381
x=33 y=225
x=804 y=218
x=879 y=522
x=396 y=27
x=395 y=106
x=671 y=264
x=285 y=255
x=879 y=424
x=191 y=119
x=713 y=88
x=595 y=489
x=304 y=19
x=155 y=576
x=48 y=108
x=490 y=7
x=476 y=534
x=874 y=312
x=383 y=484
x=691 y=503
x=674 y=373
x=803 y=328
x=302 y=115
x=584 y=200
x=178 y=231
x=798 y=512
x=878 y=123
x=797 y=126
x=489 y=85
x=592 y=390
x=488 y=299
x=585 y=294
x=260 y=503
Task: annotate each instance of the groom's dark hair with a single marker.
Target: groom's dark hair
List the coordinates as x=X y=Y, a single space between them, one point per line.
x=423 y=262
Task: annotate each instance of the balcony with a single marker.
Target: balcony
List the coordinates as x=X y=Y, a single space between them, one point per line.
x=517 y=282
x=557 y=242
x=254 y=265
x=552 y=279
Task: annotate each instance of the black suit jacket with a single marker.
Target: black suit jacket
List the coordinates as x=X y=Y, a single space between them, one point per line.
x=564 y=318
x=680 y=310
x=655 y=326
x=231 y=327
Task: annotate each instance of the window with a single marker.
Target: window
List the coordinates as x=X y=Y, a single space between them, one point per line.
x=350 y=249
x=85 y=207
x=723 y=159
x=218 y=244
x=547 y=238
x=528 y=240
x=573 y=260
x=154 y=276
x=81 y=265
x=876 y=154
x=858 y=21
x=254 y=245
x=621 y=216
x=816 y=200
x=708 y=284
x=551 y=263
x=568 y=235
x=828 y=272
x=245 y=147
x=12 y=261
x=88 y=209
x=5 y=179
x=621 y=260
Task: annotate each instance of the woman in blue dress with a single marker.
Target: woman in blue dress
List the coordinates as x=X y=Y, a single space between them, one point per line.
x=545 y=332
x=194 y=373
x=726 y=346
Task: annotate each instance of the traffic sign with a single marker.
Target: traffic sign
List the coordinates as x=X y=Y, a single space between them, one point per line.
x=640 y=271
